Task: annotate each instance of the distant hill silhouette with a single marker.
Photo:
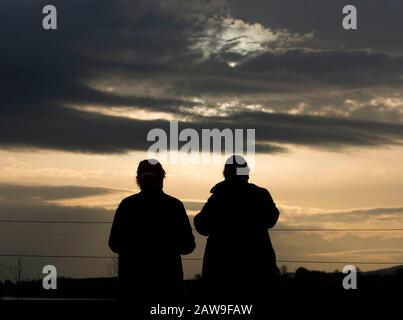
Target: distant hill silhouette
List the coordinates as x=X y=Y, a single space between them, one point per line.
x=386 y=271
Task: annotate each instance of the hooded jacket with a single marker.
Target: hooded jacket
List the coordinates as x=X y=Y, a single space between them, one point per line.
x=236 y=219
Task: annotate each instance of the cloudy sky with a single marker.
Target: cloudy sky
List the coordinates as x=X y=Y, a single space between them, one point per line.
x=77 y=103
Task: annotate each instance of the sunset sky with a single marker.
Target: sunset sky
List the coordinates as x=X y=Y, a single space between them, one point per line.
x=77 y=103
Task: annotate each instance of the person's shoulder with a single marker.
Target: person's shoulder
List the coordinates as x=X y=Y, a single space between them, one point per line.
x=219 y=187
x=130 y=199
x=254 y=188
x=172 y=200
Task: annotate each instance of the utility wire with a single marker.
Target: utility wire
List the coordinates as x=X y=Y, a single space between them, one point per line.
x=200 y=259
x=275 y=229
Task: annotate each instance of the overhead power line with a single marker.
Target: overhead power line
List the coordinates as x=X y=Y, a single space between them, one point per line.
x=275 y=229
x=200 y=259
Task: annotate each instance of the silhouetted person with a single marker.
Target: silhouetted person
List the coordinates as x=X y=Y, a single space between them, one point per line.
x=150 y=231
x=239 y=260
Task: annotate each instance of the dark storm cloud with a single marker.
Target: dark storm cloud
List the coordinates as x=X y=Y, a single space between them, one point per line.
x=146 y=48
x=320 y=131
x=24 y=209
x=27 y=201
x=345 y=69
x=348 y=217
x=66 y=129
x=388 y=214
x=39 y=66
x=46 y=193
x=72 y=130
x=379 y=22
x=295 y=72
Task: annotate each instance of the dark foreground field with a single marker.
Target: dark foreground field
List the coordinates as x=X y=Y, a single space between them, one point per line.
x=302 y=281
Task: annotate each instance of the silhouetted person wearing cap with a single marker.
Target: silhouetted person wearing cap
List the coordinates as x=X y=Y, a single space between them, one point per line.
x=150 y=232
x=239 y=259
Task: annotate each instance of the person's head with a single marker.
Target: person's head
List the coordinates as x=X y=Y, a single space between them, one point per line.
x=150 y=175
x=236 y=169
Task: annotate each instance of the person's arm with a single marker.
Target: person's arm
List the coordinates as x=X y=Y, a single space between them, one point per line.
x=271 y=211
x=116 y=230
x=186 y=239
x=202 y=220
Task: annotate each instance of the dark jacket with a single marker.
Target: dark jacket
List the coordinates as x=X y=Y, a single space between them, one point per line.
x=239 y=254
x=150 y=231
